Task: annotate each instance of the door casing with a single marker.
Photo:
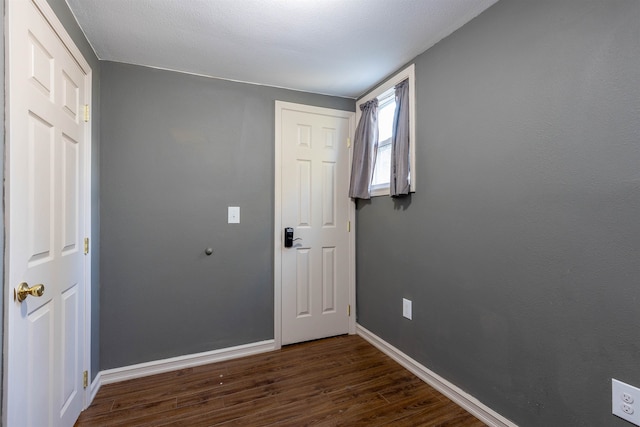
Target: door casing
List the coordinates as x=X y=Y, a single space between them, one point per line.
x=277 y=237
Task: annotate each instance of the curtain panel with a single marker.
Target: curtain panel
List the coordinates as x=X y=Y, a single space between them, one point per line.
x=399 y=184
x=365 y=148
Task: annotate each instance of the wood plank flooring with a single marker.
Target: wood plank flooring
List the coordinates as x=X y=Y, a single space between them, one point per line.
x=340 y=381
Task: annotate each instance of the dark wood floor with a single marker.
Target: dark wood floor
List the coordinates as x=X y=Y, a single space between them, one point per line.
x=341 y=381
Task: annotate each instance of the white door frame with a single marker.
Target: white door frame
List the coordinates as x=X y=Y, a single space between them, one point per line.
x=59 y=29
x=277 y=235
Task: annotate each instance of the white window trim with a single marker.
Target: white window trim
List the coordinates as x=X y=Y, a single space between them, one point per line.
x=407 y=73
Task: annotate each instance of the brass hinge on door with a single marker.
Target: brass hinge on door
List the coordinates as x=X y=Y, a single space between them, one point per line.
x=349 y=310
x=348 y=226
x=86 y=245
x=86 y=113
x=85 y=379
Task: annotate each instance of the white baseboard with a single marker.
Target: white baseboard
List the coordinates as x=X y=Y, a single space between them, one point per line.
x=95 y=386
x=461 y=398
x=174 y=363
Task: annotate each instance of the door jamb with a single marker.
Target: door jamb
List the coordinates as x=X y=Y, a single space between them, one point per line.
x=76 y=54
x=277 y=230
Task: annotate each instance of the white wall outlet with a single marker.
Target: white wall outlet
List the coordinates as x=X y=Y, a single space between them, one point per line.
x=234 y=215
x=624 y=398
x=406 y=308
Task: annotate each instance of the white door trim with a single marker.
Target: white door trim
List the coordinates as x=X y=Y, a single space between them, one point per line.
x=66 y=39
x=277 y=232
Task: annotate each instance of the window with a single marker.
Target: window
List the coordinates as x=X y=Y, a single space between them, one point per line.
x=386 y=110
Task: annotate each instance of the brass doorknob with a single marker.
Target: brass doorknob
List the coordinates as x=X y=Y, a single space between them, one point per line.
x=23 y=291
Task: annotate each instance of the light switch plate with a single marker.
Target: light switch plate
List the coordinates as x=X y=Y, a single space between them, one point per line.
x=406 y=308
x=234 y=215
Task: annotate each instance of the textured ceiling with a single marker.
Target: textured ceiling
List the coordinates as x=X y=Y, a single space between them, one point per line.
x=336 y=47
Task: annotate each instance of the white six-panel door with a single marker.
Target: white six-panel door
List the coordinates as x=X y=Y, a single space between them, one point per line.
x=315 y=271
x=46 y=222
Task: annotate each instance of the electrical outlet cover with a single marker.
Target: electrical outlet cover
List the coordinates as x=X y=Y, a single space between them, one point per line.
x=624 y=401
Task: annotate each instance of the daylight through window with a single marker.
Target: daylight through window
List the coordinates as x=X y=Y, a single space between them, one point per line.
x=386 y=110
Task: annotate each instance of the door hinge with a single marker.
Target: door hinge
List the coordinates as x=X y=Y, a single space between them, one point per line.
x=86 y=112
x=86 y=245
x=349 y=310
x=348 y=142
x=85 y=379
x=348 y=226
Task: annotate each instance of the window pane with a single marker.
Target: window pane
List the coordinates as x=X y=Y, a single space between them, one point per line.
x=382 y=171
x=386 y=110
x=385 y=119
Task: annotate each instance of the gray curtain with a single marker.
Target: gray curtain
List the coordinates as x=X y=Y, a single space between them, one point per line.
x=365 y=148
x=399 y=184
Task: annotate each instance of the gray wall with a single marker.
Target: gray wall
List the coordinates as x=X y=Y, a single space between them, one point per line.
x=177 y=151
x=521 y=247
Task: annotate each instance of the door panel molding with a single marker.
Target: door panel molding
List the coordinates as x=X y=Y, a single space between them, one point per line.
x=280 y=106
x=74 y=92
